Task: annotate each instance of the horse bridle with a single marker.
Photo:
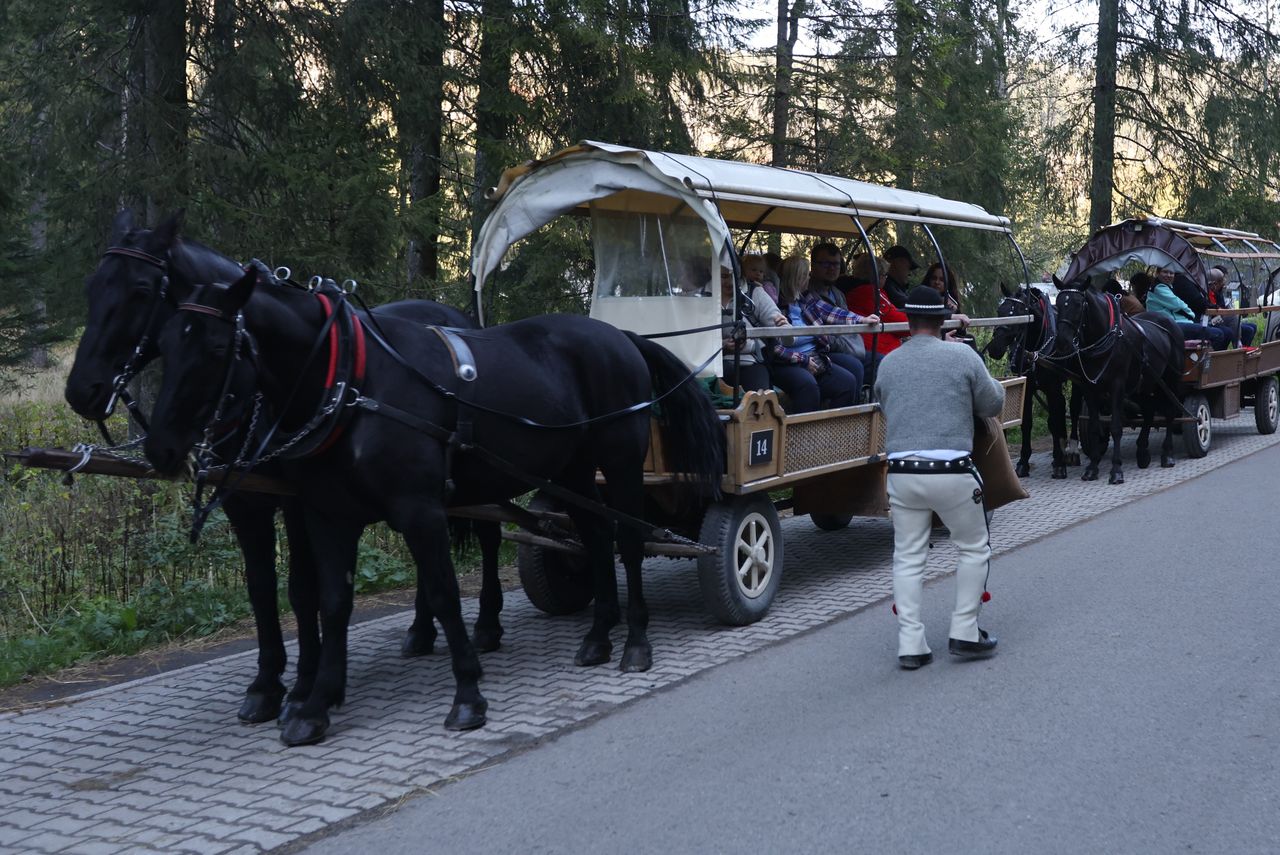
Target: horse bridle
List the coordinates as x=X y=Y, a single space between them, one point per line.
x=119 y=383
x=1115 y=332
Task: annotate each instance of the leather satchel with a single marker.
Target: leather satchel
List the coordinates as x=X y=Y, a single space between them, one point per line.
x=1000 y=484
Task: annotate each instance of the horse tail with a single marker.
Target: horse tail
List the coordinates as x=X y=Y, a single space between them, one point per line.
x=693 y=438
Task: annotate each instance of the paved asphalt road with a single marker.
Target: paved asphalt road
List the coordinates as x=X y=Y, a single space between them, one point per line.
x=1133 y=708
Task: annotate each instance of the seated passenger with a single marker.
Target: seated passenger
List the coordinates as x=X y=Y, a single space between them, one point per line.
x=836 y=372
x=756 y=272
x=803 y=301
x=1129 y=304
x=826 y=264
x=1160 y=298
x=860 y=295
x=757 y=311
x=1240 y=330
x=898 y=264
x=943 y=280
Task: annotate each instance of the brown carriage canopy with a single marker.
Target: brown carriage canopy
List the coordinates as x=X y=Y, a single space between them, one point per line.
x=1161 y=243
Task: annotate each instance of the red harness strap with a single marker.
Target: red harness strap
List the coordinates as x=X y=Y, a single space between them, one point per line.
x=358 y=363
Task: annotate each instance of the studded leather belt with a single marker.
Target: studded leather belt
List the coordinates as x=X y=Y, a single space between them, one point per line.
x=931 y=467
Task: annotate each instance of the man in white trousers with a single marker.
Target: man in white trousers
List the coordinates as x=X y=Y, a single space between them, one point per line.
x=931 y=390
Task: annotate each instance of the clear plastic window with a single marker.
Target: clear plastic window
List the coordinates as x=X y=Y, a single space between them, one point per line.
x=651 y=255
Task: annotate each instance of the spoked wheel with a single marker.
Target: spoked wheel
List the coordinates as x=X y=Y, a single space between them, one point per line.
x=556 y=582
x=739 y=582
x=1266 y=405
x=1198 y=436
x=831 y=522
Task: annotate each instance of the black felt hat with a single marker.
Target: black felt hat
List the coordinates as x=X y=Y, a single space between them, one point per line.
x=926 y=302
x=901 y=252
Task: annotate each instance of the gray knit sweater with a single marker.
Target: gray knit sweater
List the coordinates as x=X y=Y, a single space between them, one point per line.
x=930 y=391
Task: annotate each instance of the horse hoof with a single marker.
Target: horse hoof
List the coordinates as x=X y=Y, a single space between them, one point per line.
x=258 y=707
x=467 y=716
x=417 y=643
x=1059 y=473
x=1166 y=463
x=1022 y=470
x=593 y=653
x=487 y=639
x=1089 y=476
x=289 y=712
x=304 y=731
x=638 y=657
x=1144 y=458
x=1116 y=478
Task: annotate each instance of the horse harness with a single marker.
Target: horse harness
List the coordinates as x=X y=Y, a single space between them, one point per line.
x=346 y=336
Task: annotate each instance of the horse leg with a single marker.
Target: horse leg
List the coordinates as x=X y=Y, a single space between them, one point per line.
x=1143 y=454
x=426 y=532
x=488 y=630
x=1172 y=409
x=1092 y=440
x=1117 y=428
x=626 y=493
x=420 y=638
x=253 y=522
x=1073 y=444
x=334 y=543
x=1057 y=426
x=1023 y=469
x=304 y=599
x=596 y=537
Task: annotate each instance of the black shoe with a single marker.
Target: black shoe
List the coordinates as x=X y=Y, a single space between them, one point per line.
x=911 y=663
x=984 y=646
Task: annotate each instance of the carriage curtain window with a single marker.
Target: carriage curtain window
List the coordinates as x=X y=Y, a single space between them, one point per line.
x=654 y=275
x=650 y=255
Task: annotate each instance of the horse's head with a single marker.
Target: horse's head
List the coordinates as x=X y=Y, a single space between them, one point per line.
x=128 y=301
x=210 y=371
x=1023 y=301
x=1073 y=309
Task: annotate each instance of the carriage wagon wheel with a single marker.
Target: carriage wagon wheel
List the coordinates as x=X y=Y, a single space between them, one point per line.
x=556 y=582
x=1266 y=404
x=739 y=582
x=1197 y=437
x=831 y=522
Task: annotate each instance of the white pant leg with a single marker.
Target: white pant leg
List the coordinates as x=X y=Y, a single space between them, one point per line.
x=912 y=522
x=967 y=522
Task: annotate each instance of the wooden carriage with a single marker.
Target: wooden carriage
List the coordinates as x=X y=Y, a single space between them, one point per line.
x=655 y=218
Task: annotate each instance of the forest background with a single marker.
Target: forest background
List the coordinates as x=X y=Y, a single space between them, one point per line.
x=356 y=138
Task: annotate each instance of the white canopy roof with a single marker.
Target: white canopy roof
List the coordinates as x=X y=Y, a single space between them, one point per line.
x=722 y=192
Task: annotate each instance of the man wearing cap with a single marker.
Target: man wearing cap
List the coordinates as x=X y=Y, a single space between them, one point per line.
x=931 y=390
x=900 y=266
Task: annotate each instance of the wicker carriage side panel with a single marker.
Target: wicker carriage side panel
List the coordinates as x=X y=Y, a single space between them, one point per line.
x=829 y=441
x=1014 y=396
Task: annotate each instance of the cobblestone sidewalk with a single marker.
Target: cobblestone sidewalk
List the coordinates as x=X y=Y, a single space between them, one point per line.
x=162 y=765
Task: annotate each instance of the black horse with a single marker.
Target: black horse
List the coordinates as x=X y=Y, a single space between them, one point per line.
x=1116 y=357
x=1023 y=342
x=136 y=288
x=557 y=397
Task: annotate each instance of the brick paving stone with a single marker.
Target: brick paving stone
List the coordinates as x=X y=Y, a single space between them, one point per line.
x=161 y=762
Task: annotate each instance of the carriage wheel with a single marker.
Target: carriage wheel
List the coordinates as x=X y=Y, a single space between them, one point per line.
x=831 y=522
x=1197 y=437
x=739 y=581
x=556 y=582
x=1266 y=405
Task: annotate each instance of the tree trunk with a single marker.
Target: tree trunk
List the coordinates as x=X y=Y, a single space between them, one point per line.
x=1102 y=182
x=788 y=32
x=493 y=105
x=421 y=124
x=165 y=38
x=905 y=130
x=133 y=124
